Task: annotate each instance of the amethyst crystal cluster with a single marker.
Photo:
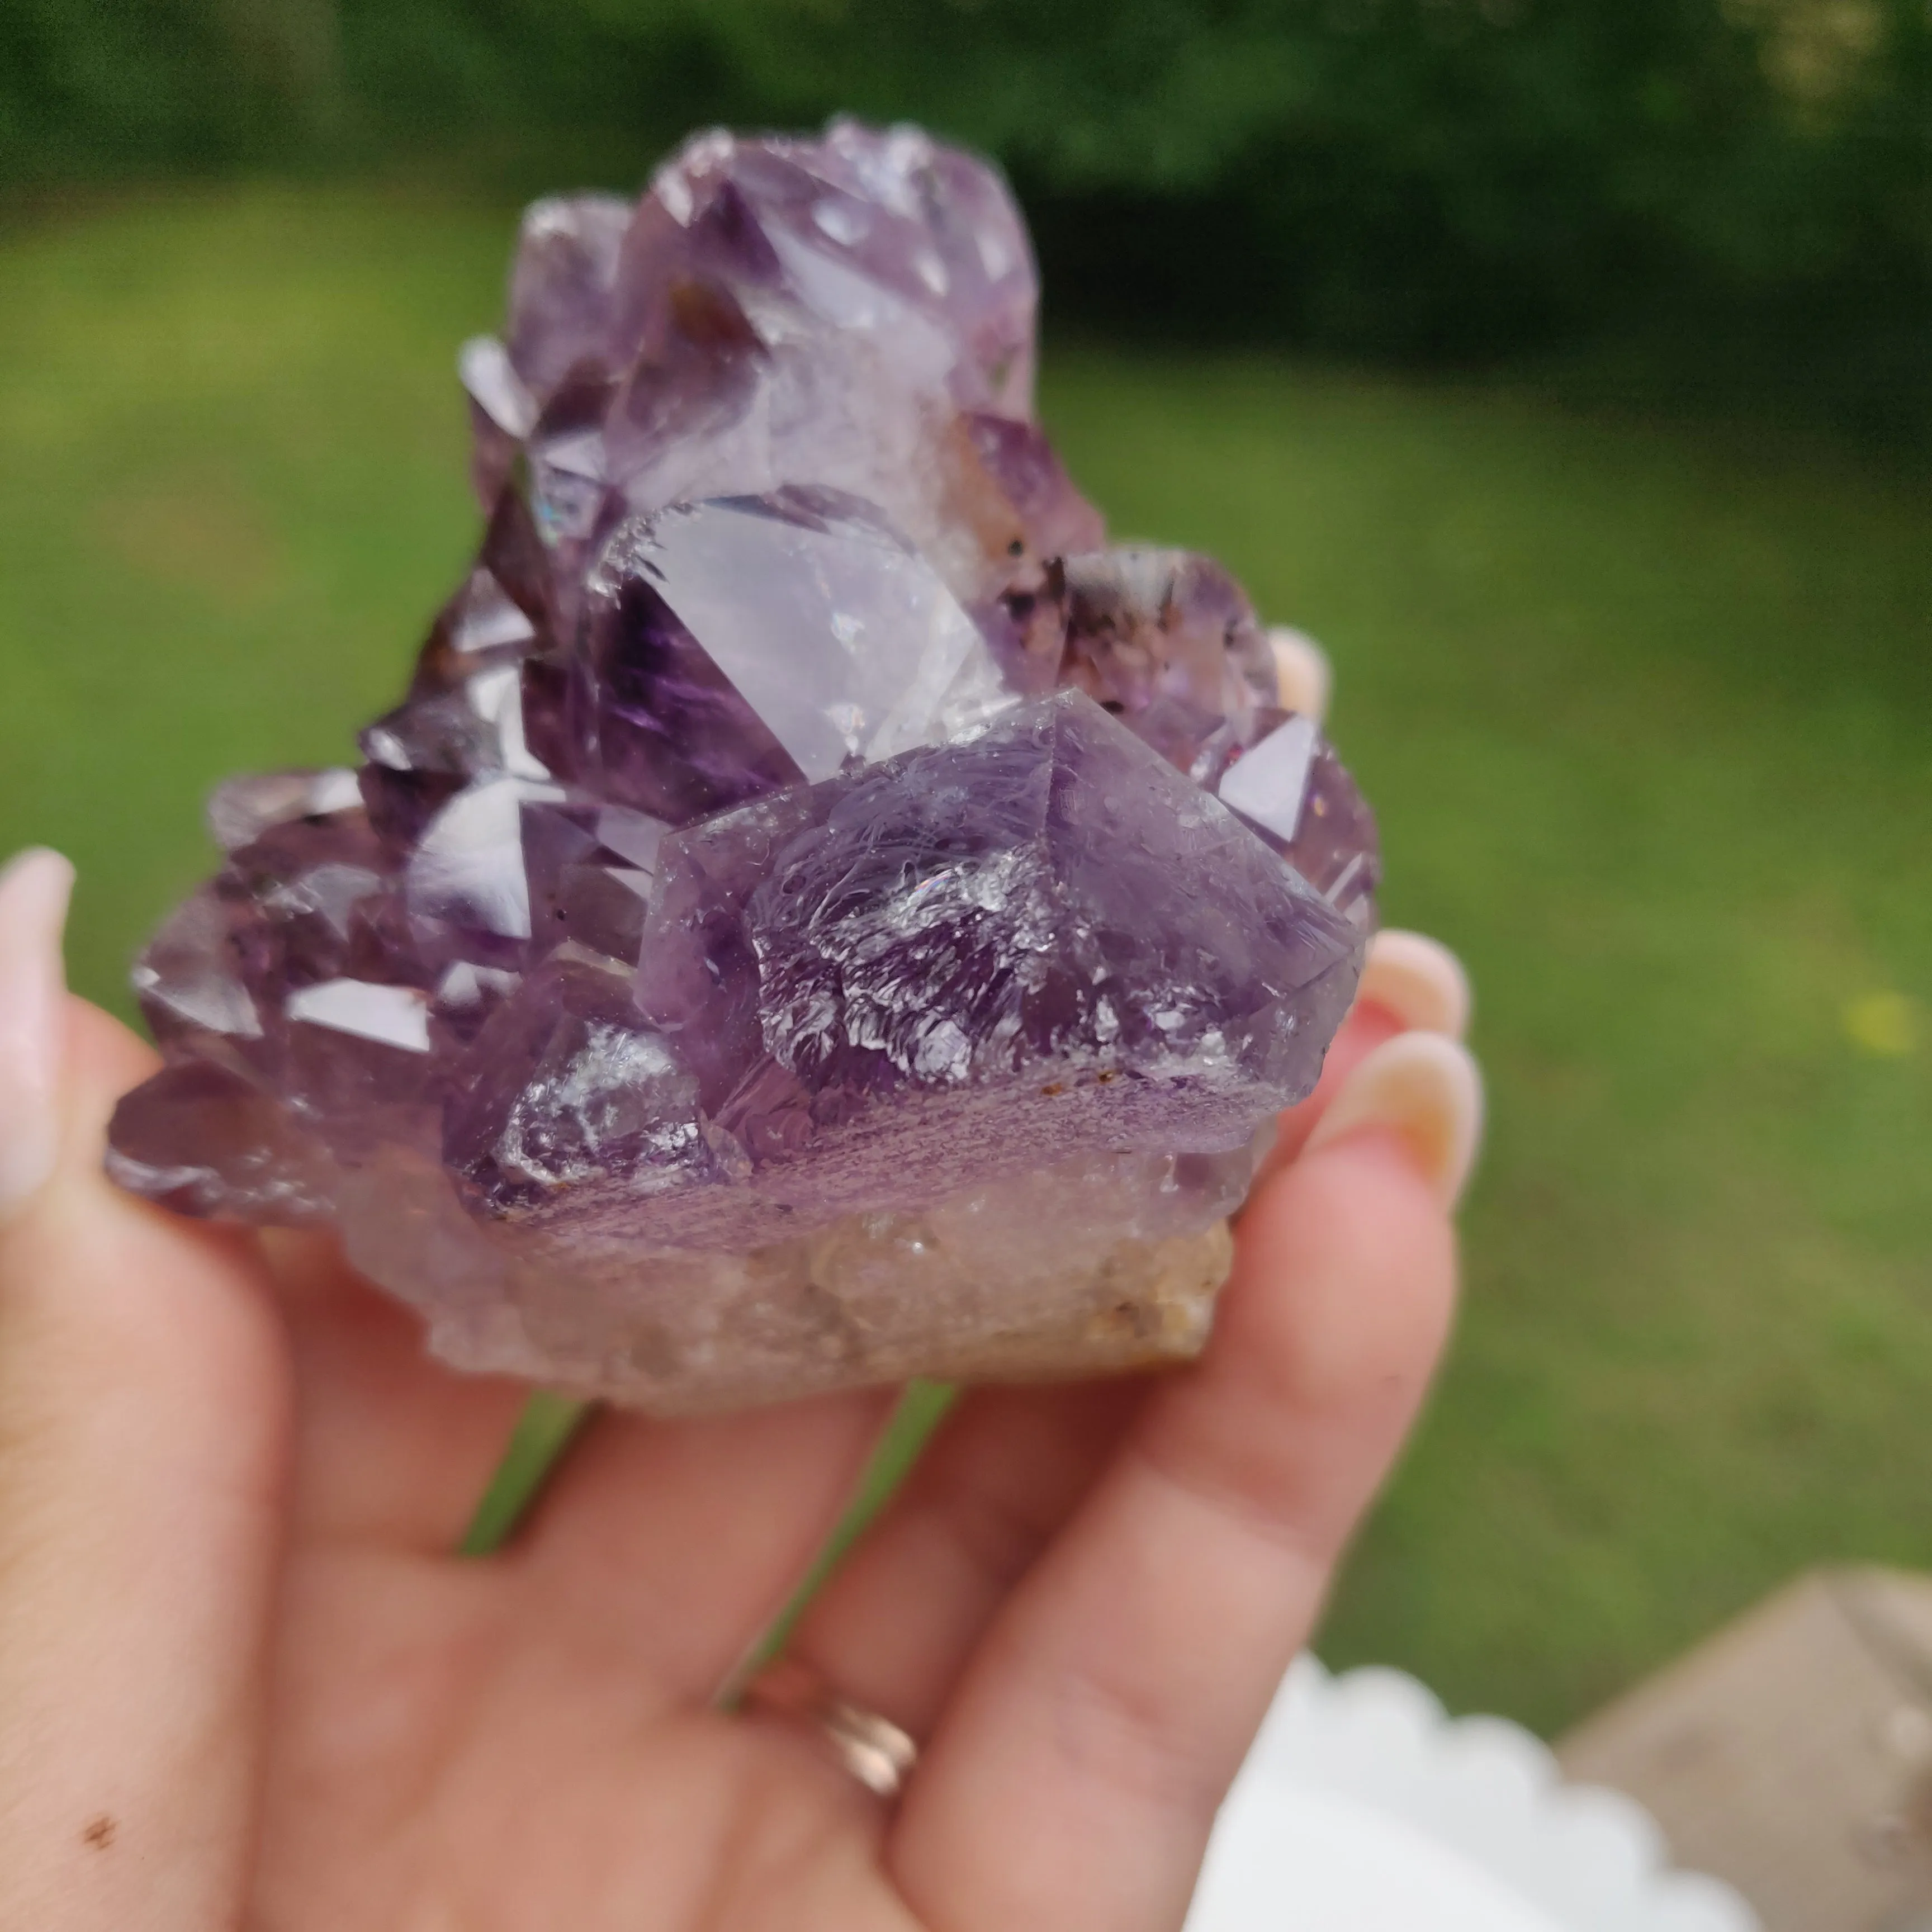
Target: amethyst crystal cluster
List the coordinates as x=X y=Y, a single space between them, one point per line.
x=819 y=914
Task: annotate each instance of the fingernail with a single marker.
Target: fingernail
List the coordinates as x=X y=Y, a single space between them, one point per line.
x=35 y=889
x=1301 y=672
x=1426 y=1089
x=1419 y=980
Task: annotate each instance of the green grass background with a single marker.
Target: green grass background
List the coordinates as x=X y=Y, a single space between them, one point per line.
x=1644 y=707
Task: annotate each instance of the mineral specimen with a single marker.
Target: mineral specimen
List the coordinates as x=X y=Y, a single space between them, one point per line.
x=819 y=915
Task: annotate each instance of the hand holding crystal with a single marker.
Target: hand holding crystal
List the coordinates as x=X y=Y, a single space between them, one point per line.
x=820 y=914
x=243 y=1681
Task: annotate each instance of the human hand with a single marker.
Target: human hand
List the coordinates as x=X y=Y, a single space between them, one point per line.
x=245 y=1682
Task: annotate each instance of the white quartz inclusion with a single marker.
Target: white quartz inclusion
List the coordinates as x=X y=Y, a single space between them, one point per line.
x=395 y=1016
x=186 y=970
x=240 y=809
x=1269 y=782
x=470 y=866
x=483 y=365
x=846 y=643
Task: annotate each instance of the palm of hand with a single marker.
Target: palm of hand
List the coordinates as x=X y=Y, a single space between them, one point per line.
x=315 y=1717
x=527 y=1741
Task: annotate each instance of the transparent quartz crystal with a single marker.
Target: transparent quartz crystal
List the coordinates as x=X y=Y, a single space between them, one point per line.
x=818 y=915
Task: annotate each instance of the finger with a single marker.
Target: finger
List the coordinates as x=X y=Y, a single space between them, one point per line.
x=1417 y=981
x=1075 y=1776
x=894 y=1626
x=1304 y=676
x=143 y=1415
x=669 y=1547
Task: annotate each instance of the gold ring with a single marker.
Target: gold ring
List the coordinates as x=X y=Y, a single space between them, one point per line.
x=873 y=1749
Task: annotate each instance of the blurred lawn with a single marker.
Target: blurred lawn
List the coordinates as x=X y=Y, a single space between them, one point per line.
x=1646 y=716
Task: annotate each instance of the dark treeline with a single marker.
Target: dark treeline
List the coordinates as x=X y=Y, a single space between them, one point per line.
x=1743 y=185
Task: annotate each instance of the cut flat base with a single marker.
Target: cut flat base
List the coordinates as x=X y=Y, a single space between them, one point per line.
x=989 y=1286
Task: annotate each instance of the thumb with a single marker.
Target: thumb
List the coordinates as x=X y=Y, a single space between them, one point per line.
x=144 y=1411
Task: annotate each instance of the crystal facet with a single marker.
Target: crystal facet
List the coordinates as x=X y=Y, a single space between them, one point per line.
x=818 y=915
